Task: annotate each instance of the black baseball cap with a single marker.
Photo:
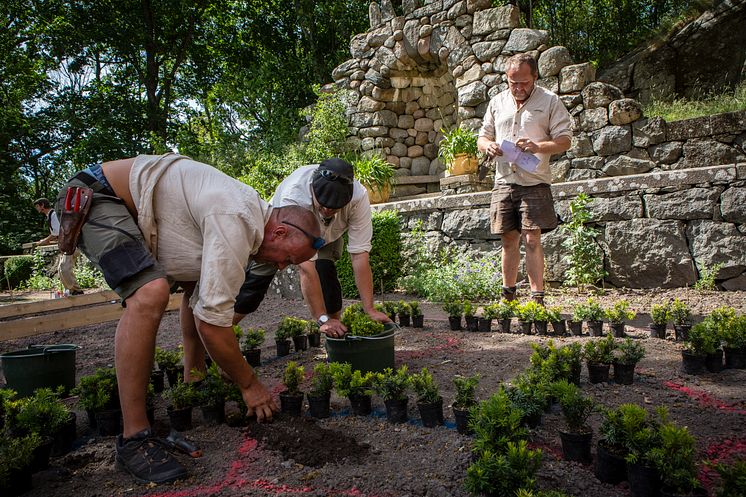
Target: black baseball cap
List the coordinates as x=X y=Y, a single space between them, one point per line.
x=332 y=183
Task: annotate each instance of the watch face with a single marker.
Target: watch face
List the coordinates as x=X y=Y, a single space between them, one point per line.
x=323 y=318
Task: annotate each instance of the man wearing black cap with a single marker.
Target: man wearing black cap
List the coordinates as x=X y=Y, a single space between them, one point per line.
x=342 y=205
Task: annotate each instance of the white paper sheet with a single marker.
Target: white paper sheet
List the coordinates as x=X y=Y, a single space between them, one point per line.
x=525 y=160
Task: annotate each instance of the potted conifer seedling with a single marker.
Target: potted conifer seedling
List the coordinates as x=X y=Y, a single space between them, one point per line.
x=682 y=319
x=454 y=309
x=579 y=314
x=696 y=347
x=527 y=314
x=282 y=338
x=429 y=401
x=576 y=409
x=291 y=400
x=720 y=323
x=170 y=362
x=320 y=391
x=16 y=458
x=598 y=356
x=182 y=398
x=660 y=315
x=99 y=396
x=252 y=339
x=466 y=387
x=355 y=385
x=530 y=399
x=732 y=478
x=418 y=320
x=626 y=356
x=404 y=313
x=540 y=320
x=505 y=312
x=617 y=316
x=489 y=312
x=642 y=434
x=297 y=330
x=675 y=459
x=314 y=334
x=594 y=317
x=391 y=309
x=210 y=396
x=554 y=316
x=469 y=316
x=733 y=334
x=611 y=448
x=392 y=386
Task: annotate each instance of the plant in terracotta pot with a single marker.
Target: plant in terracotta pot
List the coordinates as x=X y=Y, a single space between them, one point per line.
x=252 y=339
x=681 y=316
x=454 y=309
x=320 y=391
x=16 y=458
x=170 y=362
x=181 y=399
x=675 y=459
x=626 y=356
x=291 y=399
x=472 y=324
x=355 y=385
x=576 y=409
x=598 y=356
x=733 y=335
x=211 y=393
x=466 y=387
x=660 y=315
x=594 y=315
x=405 y=312
x=376 y=175
x=618 y=315
x=418 y=319
x=458 y=151
x=554 y=316
x=429 y=401
x=392 y=385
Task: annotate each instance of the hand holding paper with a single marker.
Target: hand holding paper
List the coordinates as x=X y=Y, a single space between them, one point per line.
x=525 y=160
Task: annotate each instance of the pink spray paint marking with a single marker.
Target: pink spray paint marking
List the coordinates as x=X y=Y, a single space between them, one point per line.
x=704 y=398
x=452 y=344
x=726 y=451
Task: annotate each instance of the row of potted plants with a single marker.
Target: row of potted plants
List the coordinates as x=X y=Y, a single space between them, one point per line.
x=722 y=334
x=409 y=312
x=302 y=332
x=601 y=354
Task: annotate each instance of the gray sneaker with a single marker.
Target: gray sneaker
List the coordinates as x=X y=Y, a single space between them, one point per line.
x=145 y=457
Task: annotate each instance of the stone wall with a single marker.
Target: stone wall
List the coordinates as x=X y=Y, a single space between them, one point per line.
x=657 y=229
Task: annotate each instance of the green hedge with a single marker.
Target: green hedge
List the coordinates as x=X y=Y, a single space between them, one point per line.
x=385 y=256
x=18 y=270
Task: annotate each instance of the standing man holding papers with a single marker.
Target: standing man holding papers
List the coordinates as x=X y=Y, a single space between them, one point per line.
x=523 y=127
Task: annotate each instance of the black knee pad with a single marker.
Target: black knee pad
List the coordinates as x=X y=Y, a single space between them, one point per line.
x=252 y=292
x=330 y=285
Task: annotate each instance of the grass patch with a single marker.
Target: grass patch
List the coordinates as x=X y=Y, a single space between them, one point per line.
x=728 y=101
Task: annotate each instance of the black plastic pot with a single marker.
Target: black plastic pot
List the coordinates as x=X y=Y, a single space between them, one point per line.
x=181 y=419
x=418 y=321
x=576 y=446
x=173 y=376
x=360 y=404
x=253 y=357
x=314 y=339
x=109 y=423
x=624 y=374
x=505 y=325
x=91 y=415
x=576 y=328
x=484 y=325
x=472 y=323
x=610 y=467
x=596 y=328
x=300 y=343
x=540 y=327
x=682 y=332
x=157 y=379
x=318 y=406
x=714 y=361
x=657 y=331
x=454 y=322
x=532 y=421
x=404 y=319
x=692 y=363
x=559 y=327
x=644 y=481
x=431 y=413
x=462 y=421
x=283 y=347
x=526 y=327
x=575 y=374
x=213 y=414
x=396 y=410
x=66 y=435
x=40 y=456
x=598 y=372
x=18 y=483
x=291 y=403
x=735 y=358
x=617 y=329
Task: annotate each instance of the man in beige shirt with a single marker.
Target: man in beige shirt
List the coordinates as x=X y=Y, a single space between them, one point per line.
x=535 y=121
x=157 y=220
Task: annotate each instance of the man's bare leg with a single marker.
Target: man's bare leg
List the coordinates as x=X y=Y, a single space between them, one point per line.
x=534 y=259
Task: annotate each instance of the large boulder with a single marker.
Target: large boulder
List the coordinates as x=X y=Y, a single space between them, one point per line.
x=467 y=224
x=692 y=203
x=733 y=205
x=714 y=242
x=552 y=60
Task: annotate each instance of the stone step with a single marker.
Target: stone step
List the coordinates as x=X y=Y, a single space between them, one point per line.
x=414 y=197
x=415 y=180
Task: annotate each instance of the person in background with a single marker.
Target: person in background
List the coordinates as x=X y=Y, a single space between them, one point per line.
x=66 y=266
x=521 y=208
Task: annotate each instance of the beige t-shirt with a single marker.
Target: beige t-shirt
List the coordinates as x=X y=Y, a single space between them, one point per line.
x=355 y=217
x=542 y=117
x=201 y=225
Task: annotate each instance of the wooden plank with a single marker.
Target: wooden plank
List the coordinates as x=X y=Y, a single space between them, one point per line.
x=415 y=180
x=24 y=327
x=13 y=310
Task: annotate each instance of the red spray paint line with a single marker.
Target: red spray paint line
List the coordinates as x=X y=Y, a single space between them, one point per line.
x=704 y=398
x=233 y=480
x=547 y=449
x=726 y=451
x=452 y=343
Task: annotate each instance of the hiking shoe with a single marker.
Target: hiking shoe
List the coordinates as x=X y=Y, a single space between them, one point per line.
x=538 y=297
x=145 y=457
x=508 y=293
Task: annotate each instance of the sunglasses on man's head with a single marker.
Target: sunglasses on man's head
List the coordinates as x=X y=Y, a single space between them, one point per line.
x=332 y=176
x=316 y=241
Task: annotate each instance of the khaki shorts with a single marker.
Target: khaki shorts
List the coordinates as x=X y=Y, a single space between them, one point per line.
x=516 y=207
x=112 y=241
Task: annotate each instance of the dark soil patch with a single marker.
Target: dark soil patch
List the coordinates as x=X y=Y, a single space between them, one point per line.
x=306 y=443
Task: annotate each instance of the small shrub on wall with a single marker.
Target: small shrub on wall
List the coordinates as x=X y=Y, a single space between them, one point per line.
x=385 y=256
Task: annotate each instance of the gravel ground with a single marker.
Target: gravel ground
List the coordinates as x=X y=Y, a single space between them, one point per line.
x=366 y=456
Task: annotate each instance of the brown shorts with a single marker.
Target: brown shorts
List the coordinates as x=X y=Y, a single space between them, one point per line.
x=516 y=207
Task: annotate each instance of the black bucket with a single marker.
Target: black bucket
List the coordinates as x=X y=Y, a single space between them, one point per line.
x=374 y=353
x=40 y=366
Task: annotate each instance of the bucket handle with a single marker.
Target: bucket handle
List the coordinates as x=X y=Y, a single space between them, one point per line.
x=45 y=348
x=353 y=338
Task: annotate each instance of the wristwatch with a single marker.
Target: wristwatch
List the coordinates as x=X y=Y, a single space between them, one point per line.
x=322 y=320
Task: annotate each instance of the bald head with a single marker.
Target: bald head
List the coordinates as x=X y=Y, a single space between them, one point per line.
x=291 y=236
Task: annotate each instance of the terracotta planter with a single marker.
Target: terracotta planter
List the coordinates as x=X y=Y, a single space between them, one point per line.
x=378 y=196
x=464 y=164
